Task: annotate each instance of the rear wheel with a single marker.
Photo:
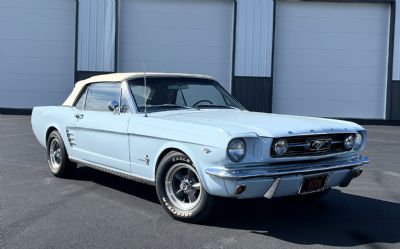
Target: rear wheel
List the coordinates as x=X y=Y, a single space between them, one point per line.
x=180 y=190
x=57 y=156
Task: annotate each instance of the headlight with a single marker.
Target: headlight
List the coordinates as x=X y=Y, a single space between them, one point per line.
x=358 y=141
x=349 y=142
x=236 y=150
x=280 y=147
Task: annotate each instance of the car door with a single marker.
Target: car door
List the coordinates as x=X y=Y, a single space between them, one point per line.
x=100 y=132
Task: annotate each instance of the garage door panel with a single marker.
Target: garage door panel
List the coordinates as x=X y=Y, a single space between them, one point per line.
x=161 y=36
x=327 y=10
x=168 y=53
x=52 y=66
x=29 y=82
x=39 y=97
x=162 y=6
x=37 y=32
x=39 y=4
x=332 y=92
x=162 y=66
x=324 y=41
x=335 y=25
x=331 y=56
x=305 y=57
x=329 y=74
x=177 y=36
x=174 y=21
x=52 y=49
x=37 y=52
x=42 y=16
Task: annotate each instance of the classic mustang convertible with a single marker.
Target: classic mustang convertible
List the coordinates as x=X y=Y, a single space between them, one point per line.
x=191 y=139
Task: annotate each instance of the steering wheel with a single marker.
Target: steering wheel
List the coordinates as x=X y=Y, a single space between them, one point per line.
x=203 y=100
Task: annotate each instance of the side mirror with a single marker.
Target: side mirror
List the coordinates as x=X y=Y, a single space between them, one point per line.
x=113 y=105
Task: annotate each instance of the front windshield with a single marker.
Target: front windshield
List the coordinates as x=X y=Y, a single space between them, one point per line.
x=180 y=93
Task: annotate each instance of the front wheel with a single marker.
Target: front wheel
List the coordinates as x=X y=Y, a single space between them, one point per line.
x=180 y=190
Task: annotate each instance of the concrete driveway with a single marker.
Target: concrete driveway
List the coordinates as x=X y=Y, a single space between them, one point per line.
x=97 y=210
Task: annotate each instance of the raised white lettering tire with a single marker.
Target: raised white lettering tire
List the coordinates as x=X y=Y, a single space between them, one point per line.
x=180 y=190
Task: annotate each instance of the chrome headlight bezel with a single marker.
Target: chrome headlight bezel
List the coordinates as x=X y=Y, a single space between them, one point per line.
x=236 y=150
x=280 y=147
x=358 y=141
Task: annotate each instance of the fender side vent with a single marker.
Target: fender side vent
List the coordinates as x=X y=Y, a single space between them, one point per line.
x=71 y=138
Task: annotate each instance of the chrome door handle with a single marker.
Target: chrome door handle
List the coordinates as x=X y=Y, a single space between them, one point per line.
x=78 y=115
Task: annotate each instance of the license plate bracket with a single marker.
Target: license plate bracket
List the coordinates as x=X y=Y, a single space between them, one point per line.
x=312 y=184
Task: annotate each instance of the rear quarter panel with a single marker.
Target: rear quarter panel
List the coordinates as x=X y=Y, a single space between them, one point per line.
x=46 y=117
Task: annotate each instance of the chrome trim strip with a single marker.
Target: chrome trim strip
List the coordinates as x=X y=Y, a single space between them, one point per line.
x=307 y=144
x=297 y=159
x=288 y=169
x=112 y=171
x=333 y=132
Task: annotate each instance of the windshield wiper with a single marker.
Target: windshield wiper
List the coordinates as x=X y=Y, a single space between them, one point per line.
x=215 y=106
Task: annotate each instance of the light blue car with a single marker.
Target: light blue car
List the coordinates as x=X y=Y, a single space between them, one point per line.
x=191 y=139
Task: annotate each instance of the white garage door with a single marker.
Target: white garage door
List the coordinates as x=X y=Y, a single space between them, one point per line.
x=331 y=59
x=186 y=36
x=36 y=52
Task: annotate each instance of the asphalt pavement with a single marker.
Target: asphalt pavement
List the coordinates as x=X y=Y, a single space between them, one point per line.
x=98 y=210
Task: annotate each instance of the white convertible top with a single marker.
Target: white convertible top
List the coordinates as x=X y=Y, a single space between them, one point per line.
x=120 y=77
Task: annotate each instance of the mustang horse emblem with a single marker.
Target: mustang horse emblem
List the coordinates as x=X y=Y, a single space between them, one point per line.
x=316 y=145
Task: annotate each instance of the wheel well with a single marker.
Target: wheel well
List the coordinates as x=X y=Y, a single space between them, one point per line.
x=164 y=153
x=49 y=131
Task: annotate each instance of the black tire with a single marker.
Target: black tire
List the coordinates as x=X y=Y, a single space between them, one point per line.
x=176 y=161
x=59 y=164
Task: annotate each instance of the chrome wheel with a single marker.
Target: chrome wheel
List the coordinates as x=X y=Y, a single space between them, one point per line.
x=55 y=155
x=183 y=187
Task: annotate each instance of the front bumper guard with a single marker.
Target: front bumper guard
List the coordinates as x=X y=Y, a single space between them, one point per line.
x=276 y=171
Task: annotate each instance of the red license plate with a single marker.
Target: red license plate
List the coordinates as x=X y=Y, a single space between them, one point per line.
x=313 y=184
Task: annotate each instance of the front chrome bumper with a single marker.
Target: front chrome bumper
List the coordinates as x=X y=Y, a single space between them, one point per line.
x=281 y=170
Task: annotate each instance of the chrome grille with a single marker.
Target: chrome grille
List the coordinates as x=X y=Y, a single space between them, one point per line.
x=313 y=145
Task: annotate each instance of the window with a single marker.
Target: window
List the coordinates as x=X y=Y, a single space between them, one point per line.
x=99 y=95
x=140 y=93
x=201 y=94
x=81 y=102
x=168 y=93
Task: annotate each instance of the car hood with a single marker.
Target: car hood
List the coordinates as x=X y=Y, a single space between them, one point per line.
x=236 y=122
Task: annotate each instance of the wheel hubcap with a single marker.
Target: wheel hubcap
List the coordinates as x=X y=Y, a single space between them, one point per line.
x=55 y=154
x=183 y=186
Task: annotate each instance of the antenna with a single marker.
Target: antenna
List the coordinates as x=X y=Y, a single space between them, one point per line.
x=145 y=88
